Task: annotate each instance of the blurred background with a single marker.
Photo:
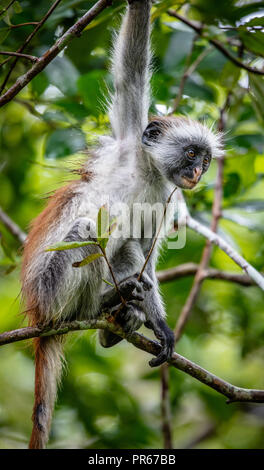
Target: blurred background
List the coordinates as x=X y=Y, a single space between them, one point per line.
x=111 y=398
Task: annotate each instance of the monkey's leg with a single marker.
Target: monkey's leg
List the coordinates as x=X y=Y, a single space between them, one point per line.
x=126 y=266
x=129 y=319
x=155 y=313
x=131 y=316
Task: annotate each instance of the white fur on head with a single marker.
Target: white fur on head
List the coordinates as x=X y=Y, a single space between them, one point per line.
x=180 y=129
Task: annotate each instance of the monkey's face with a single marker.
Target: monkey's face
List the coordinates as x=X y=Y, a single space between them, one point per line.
x=182 y=149
x=191 y=162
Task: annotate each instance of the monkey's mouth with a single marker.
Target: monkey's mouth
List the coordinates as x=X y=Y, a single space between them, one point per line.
x=187 y=183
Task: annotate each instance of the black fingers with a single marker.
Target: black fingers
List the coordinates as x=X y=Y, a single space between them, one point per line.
x=132 y=289
x=167 y=340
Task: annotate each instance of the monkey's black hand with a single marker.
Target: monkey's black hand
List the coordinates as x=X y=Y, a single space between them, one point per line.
x=130 y=289
x=133 y=289
x=167 y=340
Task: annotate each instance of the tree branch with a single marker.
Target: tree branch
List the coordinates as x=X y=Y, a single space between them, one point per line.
x=217 y=44
x=45 y=59
x=32 y=58
x=233 y=393
x=12 y=227
x=27 y=41
x=190 y=269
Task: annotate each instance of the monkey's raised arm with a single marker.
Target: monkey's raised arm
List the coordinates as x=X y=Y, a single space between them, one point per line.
x=130 y=67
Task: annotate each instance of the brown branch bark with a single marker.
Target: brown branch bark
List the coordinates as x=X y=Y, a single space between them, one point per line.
x=45 y=59
x=190 y=269
x=20 y=25
x=32 y=58
x=232 y=392
x=217 y=44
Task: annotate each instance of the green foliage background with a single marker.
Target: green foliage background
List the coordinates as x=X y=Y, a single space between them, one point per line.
x=111 y=398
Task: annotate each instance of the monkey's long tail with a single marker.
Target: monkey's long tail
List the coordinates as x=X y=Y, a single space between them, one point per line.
x=48 y=367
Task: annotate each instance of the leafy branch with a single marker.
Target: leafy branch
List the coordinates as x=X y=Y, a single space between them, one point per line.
x=73 y=32
x=198 y=28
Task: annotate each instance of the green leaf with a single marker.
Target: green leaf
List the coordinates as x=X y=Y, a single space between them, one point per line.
x=91 y=88
x=229 y=76
x=257 y=21
x=257 y=94
x=253 y=41
x=39 y=84
x=69 y=245
x=231 y=184
x=63 y=74
x=107 y=282
x=103 y=226
x=17 y=7
x=64 y=142
x=7 y=251
x=4 y=32
x=89 y=259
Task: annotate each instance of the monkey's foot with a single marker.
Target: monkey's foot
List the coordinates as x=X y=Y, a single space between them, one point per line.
x=167 y=340
x=130 y=318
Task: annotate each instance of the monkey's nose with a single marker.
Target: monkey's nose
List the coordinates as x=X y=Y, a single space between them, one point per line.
x=197 y=173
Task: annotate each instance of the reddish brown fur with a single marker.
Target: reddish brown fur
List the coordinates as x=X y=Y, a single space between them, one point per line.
x=47 y=350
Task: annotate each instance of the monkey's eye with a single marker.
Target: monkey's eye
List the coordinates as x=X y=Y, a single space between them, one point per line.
x=191 y=153
x=206 y=161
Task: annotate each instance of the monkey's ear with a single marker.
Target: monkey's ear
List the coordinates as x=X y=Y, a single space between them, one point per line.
x=152 y=132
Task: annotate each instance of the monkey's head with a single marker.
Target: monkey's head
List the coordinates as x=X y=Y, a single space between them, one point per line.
x=181 y=148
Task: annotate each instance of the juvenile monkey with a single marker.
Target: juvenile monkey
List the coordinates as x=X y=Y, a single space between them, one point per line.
x=142 y=162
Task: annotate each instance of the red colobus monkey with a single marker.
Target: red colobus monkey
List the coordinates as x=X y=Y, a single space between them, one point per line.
x=140 y=161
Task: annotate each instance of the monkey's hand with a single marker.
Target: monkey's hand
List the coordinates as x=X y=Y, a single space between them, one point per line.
x=130 y=289
x=167 y=340
x=133 y=289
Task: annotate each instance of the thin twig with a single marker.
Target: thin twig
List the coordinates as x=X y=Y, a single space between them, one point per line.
x=29 y=23
x=12 y=227
x=60 y=44
x=233 y=393
x=217 y=44
x=32 y=58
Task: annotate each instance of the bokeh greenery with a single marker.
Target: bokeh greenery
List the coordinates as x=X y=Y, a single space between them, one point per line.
x=111 y=398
